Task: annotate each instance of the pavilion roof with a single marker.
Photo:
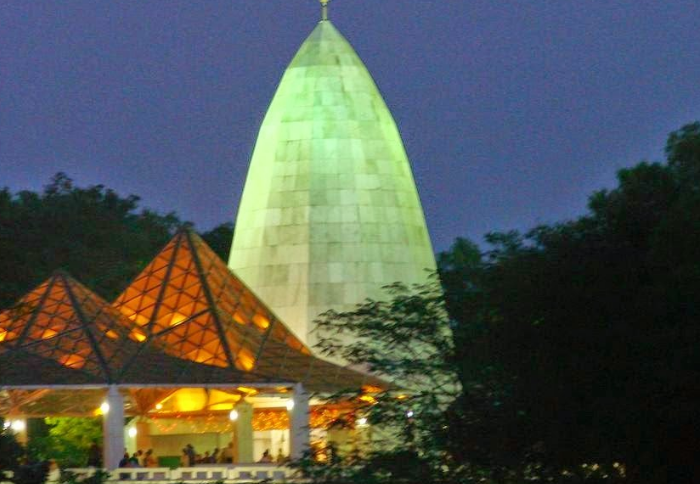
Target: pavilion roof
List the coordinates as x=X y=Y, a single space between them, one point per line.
x=189 y=302
x=185 y=320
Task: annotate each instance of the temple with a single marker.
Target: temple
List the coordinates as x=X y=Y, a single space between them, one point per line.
x=330 y=212
x=221 y=356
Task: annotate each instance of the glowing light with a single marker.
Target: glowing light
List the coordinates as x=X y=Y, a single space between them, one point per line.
x=48 y=334
x=137 y=335
x=247 y=390
x=368 y=399
x=261 y=321
x=362 y=422
x=233 y=416
x=409 y=414
x=245 y=360
x=289 y=405
x=6 y=425
x=159 y=406
x=132 y=432
x=104 y=408
x=111 y=334
x=18 y=425
x=72 y=361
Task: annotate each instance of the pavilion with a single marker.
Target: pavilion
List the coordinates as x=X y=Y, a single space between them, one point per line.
x=185 y=330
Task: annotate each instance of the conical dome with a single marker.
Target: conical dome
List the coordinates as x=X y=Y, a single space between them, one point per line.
x=330 y=212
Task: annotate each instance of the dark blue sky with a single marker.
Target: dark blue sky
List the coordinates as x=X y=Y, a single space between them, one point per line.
x=512 y=112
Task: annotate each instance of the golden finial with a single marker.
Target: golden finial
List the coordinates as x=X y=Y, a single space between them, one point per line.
x=324 y=9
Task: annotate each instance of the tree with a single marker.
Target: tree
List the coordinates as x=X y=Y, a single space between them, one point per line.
x=68 y=440
x=100 y=238
x=219 y=239
x=596 y=320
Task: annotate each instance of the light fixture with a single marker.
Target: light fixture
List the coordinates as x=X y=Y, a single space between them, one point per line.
x=362 y=422
x=409 y=414
x=289 y=405
x=233 y=416
x=159 y=406
x=132 y=432
x=104 y=408
x=6 y=425
x=18 y=425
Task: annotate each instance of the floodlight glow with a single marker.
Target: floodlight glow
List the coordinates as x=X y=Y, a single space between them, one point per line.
x=104 y=408
x=132 y=432
x=233 y=416
x=18 y=425
x=290 y=405
x=409 y=414
x=362 y=422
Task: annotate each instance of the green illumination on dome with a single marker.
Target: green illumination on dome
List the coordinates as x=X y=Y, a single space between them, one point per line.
x=330 y=212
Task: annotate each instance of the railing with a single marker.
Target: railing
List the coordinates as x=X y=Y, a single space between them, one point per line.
x=233 y=473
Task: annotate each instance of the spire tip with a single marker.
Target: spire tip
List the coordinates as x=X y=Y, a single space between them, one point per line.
x=324 y=10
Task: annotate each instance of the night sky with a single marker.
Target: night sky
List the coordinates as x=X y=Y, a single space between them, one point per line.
x=512 y=112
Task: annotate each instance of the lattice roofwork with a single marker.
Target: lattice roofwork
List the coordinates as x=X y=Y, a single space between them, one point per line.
x=195 y=308
x=63 y=325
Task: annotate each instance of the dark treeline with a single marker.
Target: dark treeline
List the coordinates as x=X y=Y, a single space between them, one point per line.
x=100 y=238
x=591 y=327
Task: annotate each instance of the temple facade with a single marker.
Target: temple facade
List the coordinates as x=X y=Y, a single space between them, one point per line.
x=330 y=212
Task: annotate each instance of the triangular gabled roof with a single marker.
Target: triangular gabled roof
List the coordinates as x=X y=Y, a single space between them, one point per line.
x=61 y=325
x=192 y=306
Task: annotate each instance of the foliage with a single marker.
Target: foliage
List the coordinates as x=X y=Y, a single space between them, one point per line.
x=409 y=337
x=100 y=238
x=97 y=236
x=99 y=476
x=595 y=322
x=68 y=441
x=219 y=239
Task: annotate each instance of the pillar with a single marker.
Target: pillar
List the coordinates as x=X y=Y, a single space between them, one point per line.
x=113 y=429
x=243 y=446
x=299 y=438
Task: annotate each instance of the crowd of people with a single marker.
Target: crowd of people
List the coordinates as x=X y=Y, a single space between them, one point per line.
x=139 y=459
x=191 y=458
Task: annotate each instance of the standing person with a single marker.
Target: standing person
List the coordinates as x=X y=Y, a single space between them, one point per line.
x=94 y=455
x=149 y=460
x=184 y=458
x=266 y=457
x=215 y=457
x=191 y=456
x=227 y=454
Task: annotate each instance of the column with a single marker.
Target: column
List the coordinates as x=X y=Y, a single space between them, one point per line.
x=243 y=447
x=299 y=438
x=113 y=429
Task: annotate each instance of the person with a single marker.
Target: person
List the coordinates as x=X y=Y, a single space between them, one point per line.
x=227 y=454
x=215 y=456
x=266 y=457
x=206 y=459
x=135 y=460
x=191 y=456
x=94 y=455
x=125 y=460
x=280 y=457
x=149 y=460
x=184 y=458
